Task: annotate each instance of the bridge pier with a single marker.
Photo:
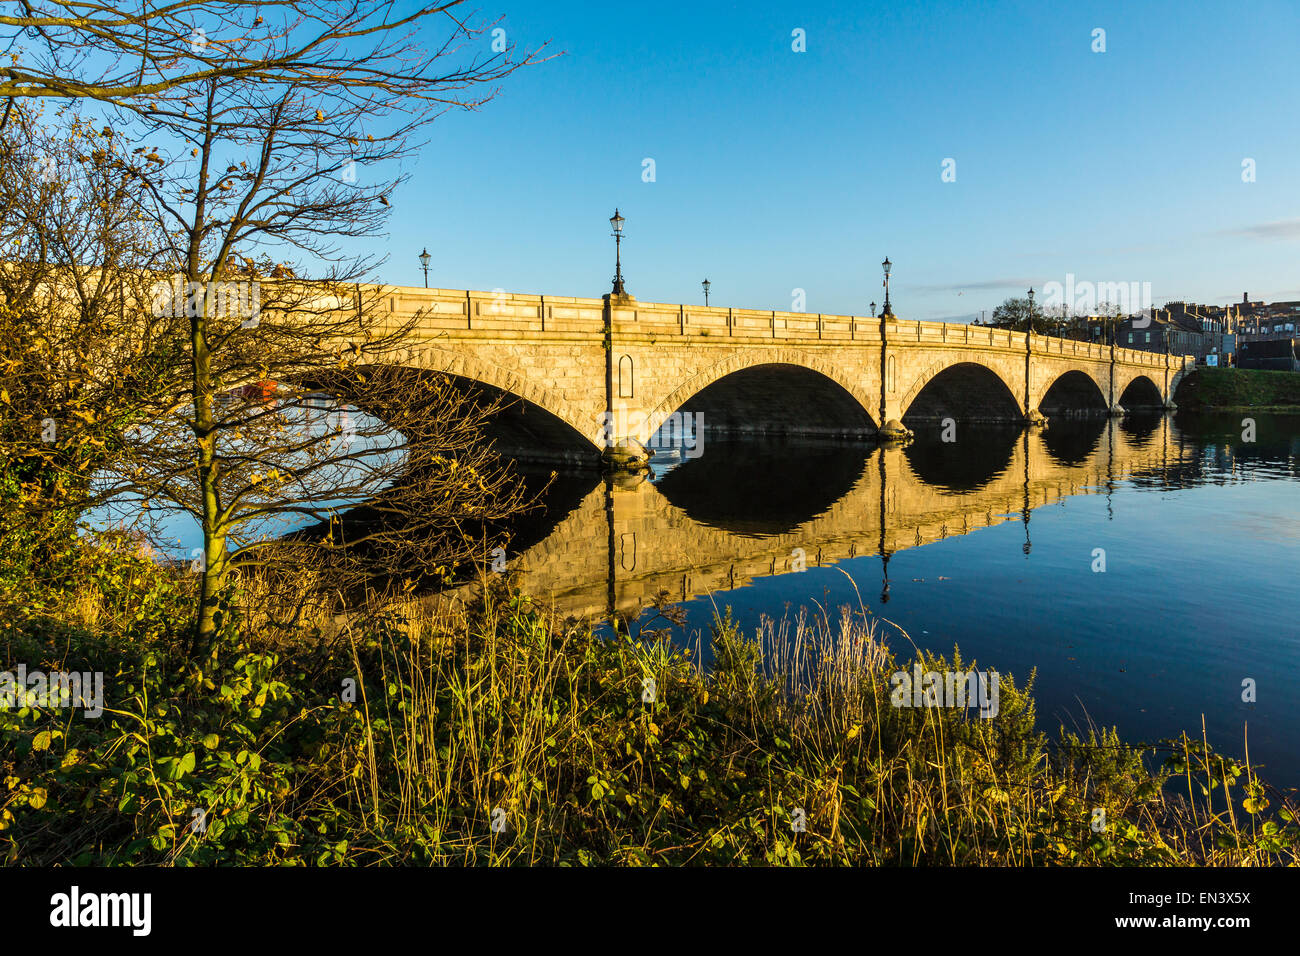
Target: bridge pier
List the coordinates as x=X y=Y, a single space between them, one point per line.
x=627 y=454
x=891 y=409
x=894 y=430
x=621 y=452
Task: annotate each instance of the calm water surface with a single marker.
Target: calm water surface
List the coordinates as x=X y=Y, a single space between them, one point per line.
x=992 y=543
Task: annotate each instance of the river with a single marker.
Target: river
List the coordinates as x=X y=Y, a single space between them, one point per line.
x=1145 y=568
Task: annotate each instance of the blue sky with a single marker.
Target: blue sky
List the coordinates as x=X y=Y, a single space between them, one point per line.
x=777 y=170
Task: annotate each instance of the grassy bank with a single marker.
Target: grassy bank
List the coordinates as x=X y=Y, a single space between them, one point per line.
x=1234 y=389
x=499 y=735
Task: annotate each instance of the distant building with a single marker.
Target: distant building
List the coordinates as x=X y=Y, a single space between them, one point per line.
x=1268 y=334
x=1268 y=322
x=1089 y=328
x=1193 y=328
x=1273 y=353
x=1149 y=332
x=1177 y=331
x=1216 y=324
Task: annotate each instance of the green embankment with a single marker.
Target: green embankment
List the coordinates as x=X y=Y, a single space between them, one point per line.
x=496 y=734
x=1235 y=388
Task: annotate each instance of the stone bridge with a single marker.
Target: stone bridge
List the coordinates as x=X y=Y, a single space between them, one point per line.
x=571 y=365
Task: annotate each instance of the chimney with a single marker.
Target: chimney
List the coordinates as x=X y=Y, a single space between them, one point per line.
x=1245 y=299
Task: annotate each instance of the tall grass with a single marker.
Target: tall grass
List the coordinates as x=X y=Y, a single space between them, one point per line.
x=496 y=733
x=786 y=750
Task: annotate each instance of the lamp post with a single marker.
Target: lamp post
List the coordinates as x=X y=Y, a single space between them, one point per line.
x=616 y=221
x=887 y=265
x=1029 y=323
x=706 y=284
x=1028 y=546
x=873 y=310
x=424 y=264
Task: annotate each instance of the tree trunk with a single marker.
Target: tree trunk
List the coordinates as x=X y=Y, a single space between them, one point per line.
x=207 y=623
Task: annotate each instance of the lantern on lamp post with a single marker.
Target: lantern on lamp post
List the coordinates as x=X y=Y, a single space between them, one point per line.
x=887 y=265
x=616 y=223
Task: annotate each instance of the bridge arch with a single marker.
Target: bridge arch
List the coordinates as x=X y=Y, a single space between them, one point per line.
x=1177 y=377
x=962 y=390
x=780 y=391
x=1074 y=392
x=573 y=434
x=769 y=491
x=1140 y=391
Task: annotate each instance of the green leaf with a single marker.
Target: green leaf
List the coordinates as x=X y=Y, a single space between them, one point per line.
x=1254 y=804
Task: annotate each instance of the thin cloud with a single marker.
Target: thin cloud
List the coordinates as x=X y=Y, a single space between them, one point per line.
x=1281 y=229
x=1283 y=295
x=976 y=286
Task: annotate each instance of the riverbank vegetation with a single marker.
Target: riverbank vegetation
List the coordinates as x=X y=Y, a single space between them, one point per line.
x=496 y=734
x=1240 y=389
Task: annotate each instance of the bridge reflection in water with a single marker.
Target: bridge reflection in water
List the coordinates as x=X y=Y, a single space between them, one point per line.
x=747 y=509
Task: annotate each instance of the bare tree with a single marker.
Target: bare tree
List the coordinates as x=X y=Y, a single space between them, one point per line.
x=254 y=182
x=128 y=54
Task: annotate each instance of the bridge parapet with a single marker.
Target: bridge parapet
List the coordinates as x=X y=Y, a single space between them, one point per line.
x=509 y=312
